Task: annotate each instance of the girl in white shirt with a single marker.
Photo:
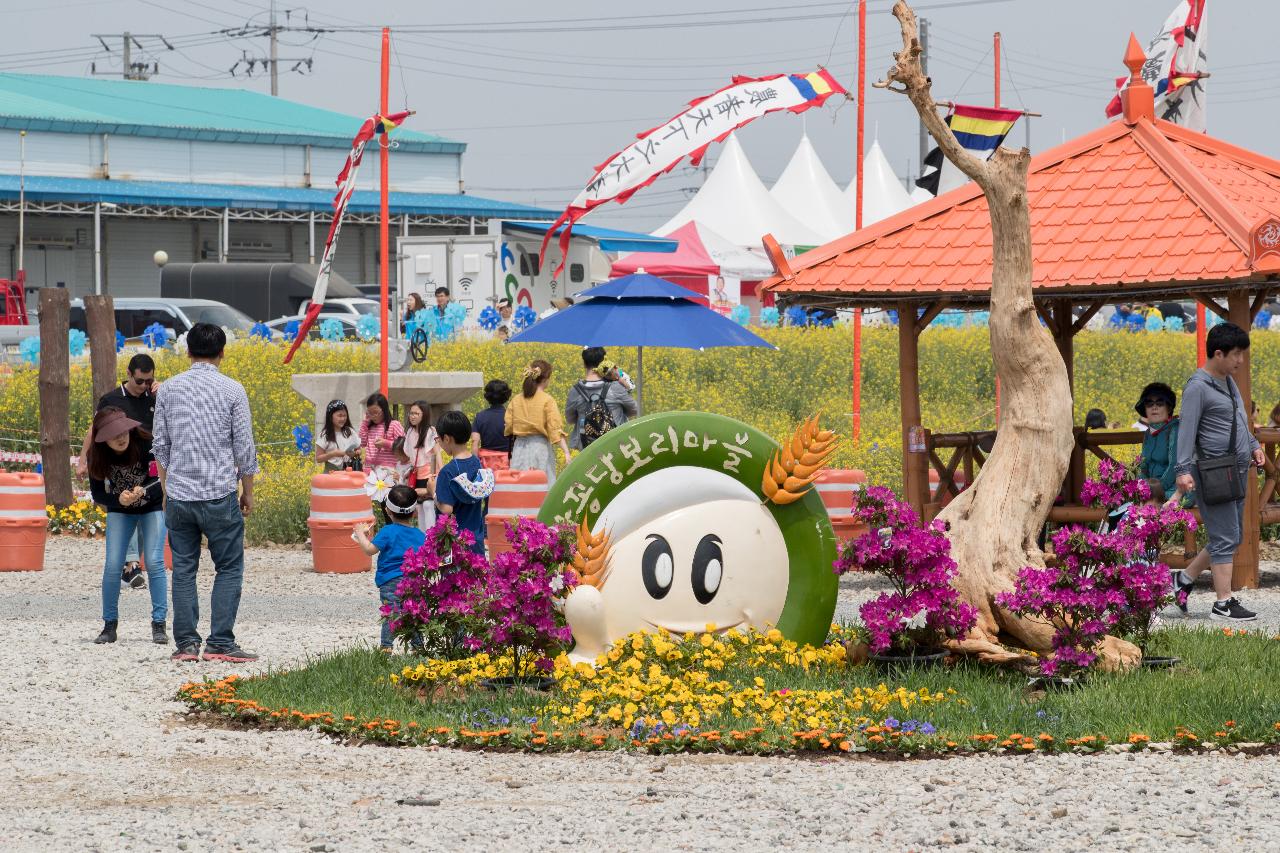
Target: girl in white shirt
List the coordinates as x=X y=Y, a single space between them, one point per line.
x=339 y=445
x=422 y=451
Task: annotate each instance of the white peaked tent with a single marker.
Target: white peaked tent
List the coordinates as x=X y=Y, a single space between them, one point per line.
x=808 y=193
x=735 y=204
x=883 y=194
x=919 y=195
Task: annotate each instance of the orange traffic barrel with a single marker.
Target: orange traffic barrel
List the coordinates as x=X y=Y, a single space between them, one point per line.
x=338 y=504
x=24 y=523
x=837 y=487
x=515 y=493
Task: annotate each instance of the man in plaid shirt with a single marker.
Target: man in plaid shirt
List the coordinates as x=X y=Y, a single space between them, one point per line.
x=203 y=444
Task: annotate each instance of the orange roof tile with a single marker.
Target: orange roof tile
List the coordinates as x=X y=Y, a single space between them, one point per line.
x=1147 y=205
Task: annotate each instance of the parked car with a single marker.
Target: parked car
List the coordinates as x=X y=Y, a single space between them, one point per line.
x=348 y=322
x=135 y=315
x=347 y=305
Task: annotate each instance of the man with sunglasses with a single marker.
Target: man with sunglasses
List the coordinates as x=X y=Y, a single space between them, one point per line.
x=136 y=395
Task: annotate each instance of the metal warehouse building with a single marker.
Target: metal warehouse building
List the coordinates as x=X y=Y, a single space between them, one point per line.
x=118 y=169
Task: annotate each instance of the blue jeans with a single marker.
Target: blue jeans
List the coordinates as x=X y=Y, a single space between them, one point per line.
x=121 y=530
x=387 y=594
x=222 y=524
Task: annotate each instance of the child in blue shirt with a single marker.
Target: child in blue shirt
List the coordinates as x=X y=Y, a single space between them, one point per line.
x=463 y=484
x=390 y=544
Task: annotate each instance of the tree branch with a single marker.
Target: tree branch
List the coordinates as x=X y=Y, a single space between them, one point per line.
x=918 y=88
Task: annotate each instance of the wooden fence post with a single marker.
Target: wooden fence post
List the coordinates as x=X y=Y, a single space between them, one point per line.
x=100 y=317
x=55 y=388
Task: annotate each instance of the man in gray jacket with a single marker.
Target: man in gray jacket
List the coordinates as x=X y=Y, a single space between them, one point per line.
x=1209 y=402
x=594 y=388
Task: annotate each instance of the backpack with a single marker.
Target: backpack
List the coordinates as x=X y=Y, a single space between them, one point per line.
x=597 y=421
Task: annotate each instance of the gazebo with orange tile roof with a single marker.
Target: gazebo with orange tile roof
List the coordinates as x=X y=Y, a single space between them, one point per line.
x=1137 y=209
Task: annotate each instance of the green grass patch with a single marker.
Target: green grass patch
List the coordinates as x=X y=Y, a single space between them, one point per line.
x=1225 y=690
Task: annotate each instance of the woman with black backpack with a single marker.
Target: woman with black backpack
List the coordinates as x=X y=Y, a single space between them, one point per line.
x=598 y=403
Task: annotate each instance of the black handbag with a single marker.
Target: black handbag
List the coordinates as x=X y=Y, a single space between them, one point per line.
x=1220 y=479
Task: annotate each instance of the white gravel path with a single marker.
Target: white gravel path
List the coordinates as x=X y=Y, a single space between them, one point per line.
x=94 y=755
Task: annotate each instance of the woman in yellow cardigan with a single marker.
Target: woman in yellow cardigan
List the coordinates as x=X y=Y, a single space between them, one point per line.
x=533 y=418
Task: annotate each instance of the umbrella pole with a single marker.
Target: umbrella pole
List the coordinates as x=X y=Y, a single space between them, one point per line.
x=640 y=378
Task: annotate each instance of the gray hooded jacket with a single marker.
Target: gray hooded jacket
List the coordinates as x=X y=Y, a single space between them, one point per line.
x=1206 y=414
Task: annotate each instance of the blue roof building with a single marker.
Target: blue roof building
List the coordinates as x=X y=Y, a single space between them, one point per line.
x=116 y=170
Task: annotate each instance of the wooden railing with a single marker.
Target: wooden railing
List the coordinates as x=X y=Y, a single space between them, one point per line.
x=969 y=450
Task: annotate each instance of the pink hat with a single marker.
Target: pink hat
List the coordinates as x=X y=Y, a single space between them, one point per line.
x=114 y=424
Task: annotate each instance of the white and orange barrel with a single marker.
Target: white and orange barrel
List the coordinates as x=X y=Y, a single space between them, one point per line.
x=24 y=523
x=961 y=481
x=338 y=504
x=837 y=487
x=515 y=493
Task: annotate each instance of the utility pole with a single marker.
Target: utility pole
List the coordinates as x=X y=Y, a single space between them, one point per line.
x=924 y=66
x=271 y=63
x=275 y=52
x=130 y=70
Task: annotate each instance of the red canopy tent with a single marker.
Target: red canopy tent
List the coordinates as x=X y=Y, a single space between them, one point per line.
x=702 y=254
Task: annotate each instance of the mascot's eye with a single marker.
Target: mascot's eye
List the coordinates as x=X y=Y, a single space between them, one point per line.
x=657 y=567
x=708 y=569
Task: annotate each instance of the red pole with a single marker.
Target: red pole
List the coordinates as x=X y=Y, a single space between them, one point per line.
x=384 y=238
x=997 y=52
x=996 y=49
x=1201 y=318
x=857 y=212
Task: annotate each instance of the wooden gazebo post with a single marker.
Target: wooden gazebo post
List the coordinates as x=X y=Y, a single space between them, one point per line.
x=915 y=464
x=1244 y=572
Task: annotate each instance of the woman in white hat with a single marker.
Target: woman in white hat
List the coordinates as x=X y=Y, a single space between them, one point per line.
x=124 y=482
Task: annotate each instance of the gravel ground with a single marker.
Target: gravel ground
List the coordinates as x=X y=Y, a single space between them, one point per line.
x=94 y=755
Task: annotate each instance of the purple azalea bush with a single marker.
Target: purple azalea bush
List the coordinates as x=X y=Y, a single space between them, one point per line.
x=924 y=608
x=518 y=600
x=1104 y=582
x=438 y=592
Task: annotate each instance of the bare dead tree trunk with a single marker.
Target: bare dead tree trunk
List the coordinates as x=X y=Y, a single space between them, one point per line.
x=100 y=317
x=55 y=385
x=994 y=524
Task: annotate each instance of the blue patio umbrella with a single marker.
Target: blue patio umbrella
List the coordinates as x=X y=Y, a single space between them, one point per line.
x=640 y=310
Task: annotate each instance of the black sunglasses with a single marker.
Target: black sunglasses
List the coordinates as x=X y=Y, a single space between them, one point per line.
x=143 y=383
x=1146 y=403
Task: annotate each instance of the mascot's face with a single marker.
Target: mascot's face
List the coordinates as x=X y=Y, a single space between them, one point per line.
x=721 y=561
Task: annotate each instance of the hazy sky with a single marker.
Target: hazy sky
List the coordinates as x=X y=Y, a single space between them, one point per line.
x=542 y=92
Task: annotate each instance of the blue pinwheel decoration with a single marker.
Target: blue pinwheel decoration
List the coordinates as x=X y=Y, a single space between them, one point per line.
x=302 y=438
x=740 y=314
x=456 y=314
x=120 y=341
x=76 y=341
x=796 y=316
x=260 y=330
x=331 y=330
x=367 y=327
x=769 y=317
x=155 y=336
x=489 y=318
x=524 y=317
x=1173 y=324
x=29 y=349
x=291 y=329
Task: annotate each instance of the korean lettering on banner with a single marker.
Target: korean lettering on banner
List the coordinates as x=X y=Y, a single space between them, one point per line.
x=637 y=454
x=704 y=122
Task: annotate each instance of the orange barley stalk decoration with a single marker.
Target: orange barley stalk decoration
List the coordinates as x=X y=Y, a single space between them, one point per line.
x=792 y=470
x=591 y=557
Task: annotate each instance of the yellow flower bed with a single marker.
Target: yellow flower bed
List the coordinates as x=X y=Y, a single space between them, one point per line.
x=681 y=683
x=83 y=518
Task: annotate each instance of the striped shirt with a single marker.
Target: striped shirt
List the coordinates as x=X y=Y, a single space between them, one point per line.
x=203 y=435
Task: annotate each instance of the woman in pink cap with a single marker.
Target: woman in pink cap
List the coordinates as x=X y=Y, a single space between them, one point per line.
x=124 y=482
